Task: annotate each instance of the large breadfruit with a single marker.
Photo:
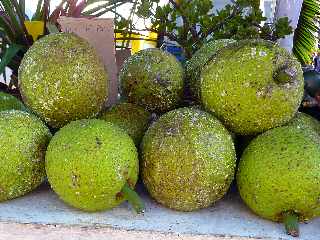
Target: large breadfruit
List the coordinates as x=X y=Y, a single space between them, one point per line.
x=252 y=86
x=62 y=79
x=9 y=102
x=130 y=117
x=188 y=159
x=153 y=79
x=23 y=143
x=198 y=61
x=91 y=164
x=279 y=175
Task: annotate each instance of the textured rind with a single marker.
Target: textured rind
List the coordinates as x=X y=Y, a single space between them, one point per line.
x=152 y=79
x=198 y=61
x=280 y=171
x=9 y=102
x=130 y=117
x=188 y=159
x=62 y=79
x=23 y=142
x=89 y=161
x=240 y=86
x=304 y=121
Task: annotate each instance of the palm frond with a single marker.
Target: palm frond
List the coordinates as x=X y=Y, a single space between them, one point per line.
x=306 y=34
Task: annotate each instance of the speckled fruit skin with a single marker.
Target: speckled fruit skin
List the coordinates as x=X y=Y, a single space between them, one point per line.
x=23 y=142
x=280 y=171
x=252 y=86
x=304 y=121
x=130 y=117
x=198 y=61
x=89 y=161
x=9 y=102
x=188 y=159
x=62 y=79
x=152 y=79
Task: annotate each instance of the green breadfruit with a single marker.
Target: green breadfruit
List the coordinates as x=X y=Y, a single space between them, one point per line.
x=130 y=117
x=279 y=175
x=62 y=79
x=89 y=164
x=188 y=159
x=304 y=121
x=152 y=79
x=198 y=61
x=23 y=142
x=9 y=102
x=252 y=86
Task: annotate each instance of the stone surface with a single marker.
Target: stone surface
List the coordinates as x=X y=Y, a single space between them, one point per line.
x=41 y=215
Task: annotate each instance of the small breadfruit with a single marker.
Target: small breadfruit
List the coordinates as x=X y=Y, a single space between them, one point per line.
x=93 y=165
x=279 y=176
x=130 y=117
x=9 y=102
x=152 y=79
x=198 y=61
x=23 y=142
x=252 y=86
x=62 y=79
x=188 y=159
x=304 y=121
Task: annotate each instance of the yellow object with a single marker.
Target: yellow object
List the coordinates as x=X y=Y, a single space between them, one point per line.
x=35 y=28
x=137 y=45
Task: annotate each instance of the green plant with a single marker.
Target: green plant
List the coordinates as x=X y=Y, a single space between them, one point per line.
x=193 y=23
x=305 y=37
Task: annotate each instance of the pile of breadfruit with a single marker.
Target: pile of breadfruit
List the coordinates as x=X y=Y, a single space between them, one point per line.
x=181 y=128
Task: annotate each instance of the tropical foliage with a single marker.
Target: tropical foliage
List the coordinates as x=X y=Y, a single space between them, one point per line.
x=306 y=34
x=193 y=23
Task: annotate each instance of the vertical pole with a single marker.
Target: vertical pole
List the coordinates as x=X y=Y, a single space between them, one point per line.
x=290 y=9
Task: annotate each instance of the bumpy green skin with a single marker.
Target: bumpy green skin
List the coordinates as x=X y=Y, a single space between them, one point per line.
x=62 y=79
x=198 y=61
x=23 y=142
x=130 y=117
x=244 y=86
x=9 y=102
x=152 y=79
x=304 y=121
x=280 y=171
x=89 y=161
x=188 y=159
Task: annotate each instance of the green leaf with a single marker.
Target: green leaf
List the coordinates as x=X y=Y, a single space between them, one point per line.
x=305 y=38
x=37 y=16
x=52 y=28
x=10 y=11
x=9 y=55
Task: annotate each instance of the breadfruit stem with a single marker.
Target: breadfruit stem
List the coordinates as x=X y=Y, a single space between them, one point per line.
x=133 y=198
x=291 y=222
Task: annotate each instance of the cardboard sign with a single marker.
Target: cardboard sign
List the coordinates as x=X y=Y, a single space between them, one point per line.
x=99 y=33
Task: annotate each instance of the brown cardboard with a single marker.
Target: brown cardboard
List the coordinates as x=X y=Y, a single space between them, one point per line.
x=99 y=33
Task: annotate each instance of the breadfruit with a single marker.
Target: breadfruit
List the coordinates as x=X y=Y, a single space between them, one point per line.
x=188 y=159
x=198 y=61
x=9 y=102
x=62 y=79
x=23 y=142
x=92 y=164
x=130 y=117
x=152 y=79
x=304 y=121
x=252 y=86
x=279 y=176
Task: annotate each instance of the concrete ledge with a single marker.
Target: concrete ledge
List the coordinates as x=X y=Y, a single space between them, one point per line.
x=41 y=215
